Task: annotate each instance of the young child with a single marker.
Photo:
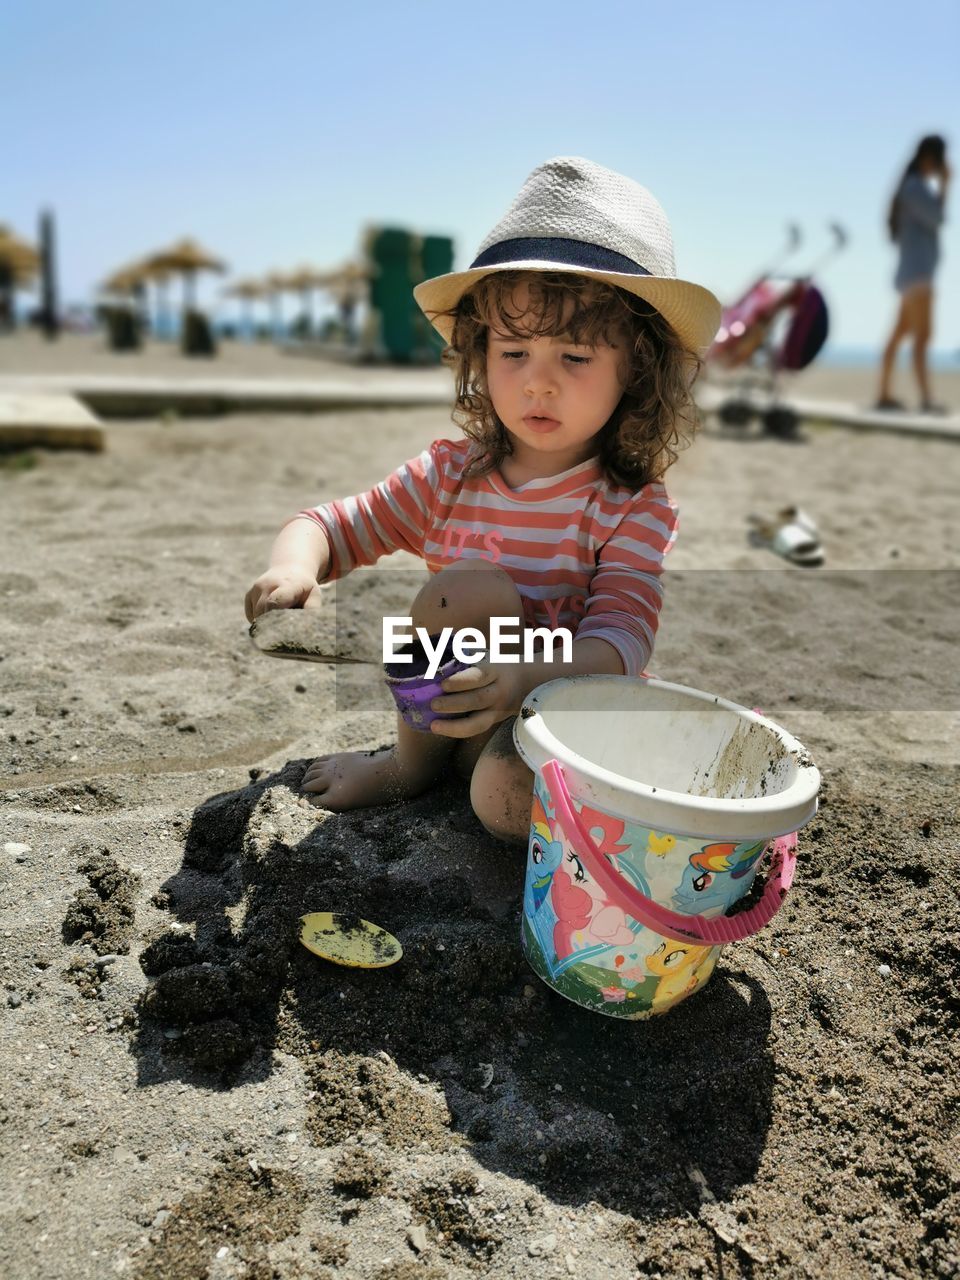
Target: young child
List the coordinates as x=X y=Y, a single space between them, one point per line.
x=574 y=347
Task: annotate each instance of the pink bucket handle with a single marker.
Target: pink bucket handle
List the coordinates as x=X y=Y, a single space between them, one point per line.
x=662 y=920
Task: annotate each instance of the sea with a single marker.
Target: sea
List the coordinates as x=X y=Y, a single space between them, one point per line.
x=838 y=357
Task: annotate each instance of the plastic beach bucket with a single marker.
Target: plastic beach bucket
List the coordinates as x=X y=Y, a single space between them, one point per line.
x=653 y=806
x=413 y=690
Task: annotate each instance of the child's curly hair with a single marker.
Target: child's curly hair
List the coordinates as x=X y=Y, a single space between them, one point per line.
x=655 y=417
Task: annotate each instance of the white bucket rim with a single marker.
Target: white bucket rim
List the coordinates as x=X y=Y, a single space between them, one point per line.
x=741 y=818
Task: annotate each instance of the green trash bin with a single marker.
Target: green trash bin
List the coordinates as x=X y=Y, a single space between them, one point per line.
x=399 y=260
x=393 y=257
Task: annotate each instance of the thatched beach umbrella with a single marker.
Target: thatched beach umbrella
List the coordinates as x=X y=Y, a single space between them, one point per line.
x=129 y=284
x=159 y=278
x=247 y=292
x=128 y=279
x=120 y=309
x=19 y=264
x=247 y=289
x=127 y=287
x=348 y=284
x=304 y=280
x=185 y=258
x=275 y=286
x=20 y=260
x=352 y=273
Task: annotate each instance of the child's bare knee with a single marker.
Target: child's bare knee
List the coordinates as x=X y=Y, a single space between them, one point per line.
x=486 y=795
x=501 y=788
x=467 y=593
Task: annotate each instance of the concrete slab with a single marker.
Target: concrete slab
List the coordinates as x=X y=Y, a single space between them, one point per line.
x=137 y=396
x=53 y=421
x=835 y=412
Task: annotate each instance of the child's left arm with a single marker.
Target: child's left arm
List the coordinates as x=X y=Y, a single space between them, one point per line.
x=626 y=593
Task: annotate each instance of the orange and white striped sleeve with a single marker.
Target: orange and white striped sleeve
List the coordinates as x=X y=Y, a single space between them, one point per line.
x=393 y=516
x=626 y=594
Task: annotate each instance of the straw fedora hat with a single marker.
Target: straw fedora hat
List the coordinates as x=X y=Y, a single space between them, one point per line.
x=574 y=215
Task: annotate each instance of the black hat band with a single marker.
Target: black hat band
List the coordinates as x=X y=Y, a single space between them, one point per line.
x=571 y=253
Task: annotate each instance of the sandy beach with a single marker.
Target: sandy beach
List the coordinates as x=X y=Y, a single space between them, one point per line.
x=187 y=1092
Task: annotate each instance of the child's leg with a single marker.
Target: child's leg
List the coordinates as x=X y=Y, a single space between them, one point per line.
x=467 y=593
x=479 y=591
x=501 y=790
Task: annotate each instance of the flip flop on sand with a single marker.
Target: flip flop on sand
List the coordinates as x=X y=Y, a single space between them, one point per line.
x=791 y=533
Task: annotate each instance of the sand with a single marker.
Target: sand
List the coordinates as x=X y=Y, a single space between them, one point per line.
x=188 y=1092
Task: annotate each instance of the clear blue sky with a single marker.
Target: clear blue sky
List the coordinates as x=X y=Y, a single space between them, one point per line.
x=274 y=131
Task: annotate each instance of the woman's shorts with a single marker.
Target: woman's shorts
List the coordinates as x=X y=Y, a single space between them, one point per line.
x=913 y=284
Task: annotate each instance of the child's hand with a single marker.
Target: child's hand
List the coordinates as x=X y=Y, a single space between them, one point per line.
x=489 y=691
x=282 y=587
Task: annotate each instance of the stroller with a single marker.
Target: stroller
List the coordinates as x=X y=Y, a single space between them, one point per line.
x=778 y=326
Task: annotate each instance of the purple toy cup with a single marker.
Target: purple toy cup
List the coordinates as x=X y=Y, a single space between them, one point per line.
x=413 y=691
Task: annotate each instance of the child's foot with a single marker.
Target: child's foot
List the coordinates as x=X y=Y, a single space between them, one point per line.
x=357 y=779
x=889 y=403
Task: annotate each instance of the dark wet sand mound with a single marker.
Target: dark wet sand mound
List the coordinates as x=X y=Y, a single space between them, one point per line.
x=459 y=1045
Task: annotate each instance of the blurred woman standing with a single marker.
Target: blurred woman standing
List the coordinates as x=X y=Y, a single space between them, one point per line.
x=916 y=213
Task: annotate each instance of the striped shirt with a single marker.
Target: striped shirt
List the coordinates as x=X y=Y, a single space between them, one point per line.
x=585 y=554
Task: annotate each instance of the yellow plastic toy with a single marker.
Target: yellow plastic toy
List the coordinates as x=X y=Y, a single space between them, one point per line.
x=349 y=940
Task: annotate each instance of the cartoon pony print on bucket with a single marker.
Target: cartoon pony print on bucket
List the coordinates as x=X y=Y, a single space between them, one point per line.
x=588 y=923
x=681 y=967
x=710 y=878
x=546 y=854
